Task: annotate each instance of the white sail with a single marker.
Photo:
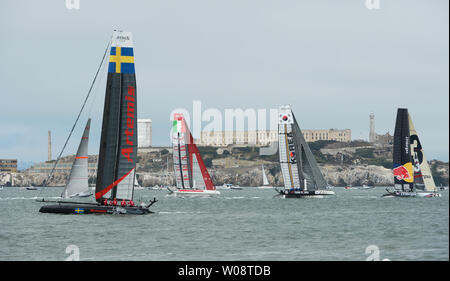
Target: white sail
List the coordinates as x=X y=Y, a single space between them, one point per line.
x=288 y=161
x=180 y=154
x=265 y=180
x=136 y=183
x=78 y=179
x=197 y=177
x=298 y=164
x=422 y=170
x=125 y=187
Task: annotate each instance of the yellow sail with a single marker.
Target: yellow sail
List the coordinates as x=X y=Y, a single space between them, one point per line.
x=420 y=161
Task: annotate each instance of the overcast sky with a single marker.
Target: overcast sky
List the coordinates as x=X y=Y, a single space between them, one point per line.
x=333 y=61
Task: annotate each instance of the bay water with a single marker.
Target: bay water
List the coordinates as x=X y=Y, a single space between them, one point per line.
x=247 y=224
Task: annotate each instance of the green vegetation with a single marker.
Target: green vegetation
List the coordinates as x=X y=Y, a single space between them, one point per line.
x=317 y=145
x=365 y=152
x=275 y=169
x=438 y=179
x=208 y=162
x=380 y=162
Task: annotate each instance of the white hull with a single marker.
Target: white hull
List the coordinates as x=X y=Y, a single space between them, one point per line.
x=410 y=194
x=428 y=194
x=305 y=196
x=195 y=192
x=325 y=192
x=225 y=186
x=265 y=187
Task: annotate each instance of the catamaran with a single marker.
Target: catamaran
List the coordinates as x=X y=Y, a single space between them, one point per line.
x=412 y=174
x=191 y=175
x=118 y=144
x=301 y=174
x=266 y=184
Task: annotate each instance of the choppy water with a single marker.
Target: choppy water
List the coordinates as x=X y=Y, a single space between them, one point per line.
x=246 y=224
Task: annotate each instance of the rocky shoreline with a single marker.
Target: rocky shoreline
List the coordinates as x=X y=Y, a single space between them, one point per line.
x=356 y=164
x=249 y=176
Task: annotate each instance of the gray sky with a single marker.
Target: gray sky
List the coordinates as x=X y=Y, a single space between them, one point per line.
x=333 y=61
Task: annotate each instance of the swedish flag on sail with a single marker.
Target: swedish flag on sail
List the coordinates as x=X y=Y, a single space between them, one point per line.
x=121 y=60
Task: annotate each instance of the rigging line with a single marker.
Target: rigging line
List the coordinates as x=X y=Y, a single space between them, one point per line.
x=94 y=98
x=78 y=117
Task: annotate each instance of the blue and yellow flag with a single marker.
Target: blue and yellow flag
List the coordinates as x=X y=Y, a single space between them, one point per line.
x=121 y=60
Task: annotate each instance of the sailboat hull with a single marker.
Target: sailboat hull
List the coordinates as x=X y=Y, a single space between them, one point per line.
x=92 y=209
x=409 y=194
x=400 y=194
x=306 y=194
x=195 y=192
x=428 y=194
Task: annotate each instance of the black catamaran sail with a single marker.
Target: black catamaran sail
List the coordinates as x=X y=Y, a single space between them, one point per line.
x=412 y=175
x=118 y=145
x=403 y=168
x=301 y=174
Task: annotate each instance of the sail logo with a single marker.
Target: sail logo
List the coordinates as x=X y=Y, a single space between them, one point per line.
x=129 y=130
x=404 y=172
x=407 y=145
x=123 y=38
x=291 y=147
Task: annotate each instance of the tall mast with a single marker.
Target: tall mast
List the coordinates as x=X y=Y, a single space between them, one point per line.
x=118 y=145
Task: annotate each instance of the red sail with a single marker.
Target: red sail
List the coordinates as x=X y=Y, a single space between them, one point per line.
x=193 y=150
x=191 y=173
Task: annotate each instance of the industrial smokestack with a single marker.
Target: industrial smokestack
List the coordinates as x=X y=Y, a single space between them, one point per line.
x=49 y=146
x=372 y=135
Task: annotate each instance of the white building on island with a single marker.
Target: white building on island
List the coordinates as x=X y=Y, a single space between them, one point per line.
x=144 y=132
